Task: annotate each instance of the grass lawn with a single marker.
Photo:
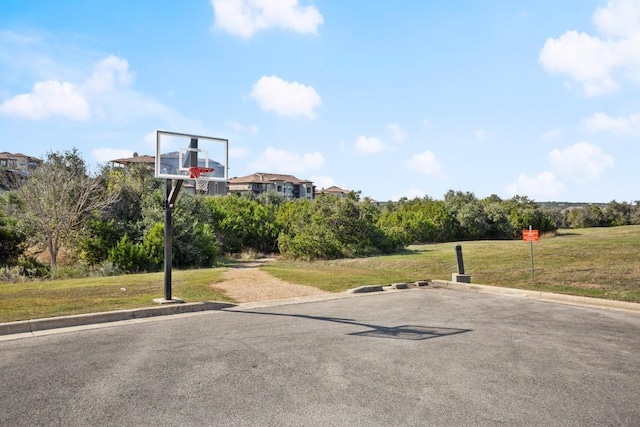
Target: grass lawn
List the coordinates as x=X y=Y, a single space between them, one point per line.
x=33 y=300
x=596 y=262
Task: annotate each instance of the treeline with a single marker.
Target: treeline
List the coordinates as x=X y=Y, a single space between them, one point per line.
x=113 y=223
x=612 y=214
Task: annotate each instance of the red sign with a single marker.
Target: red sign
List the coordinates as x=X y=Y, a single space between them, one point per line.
x=530 y=235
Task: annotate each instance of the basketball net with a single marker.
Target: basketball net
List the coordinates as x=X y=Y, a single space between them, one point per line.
x=201 y=175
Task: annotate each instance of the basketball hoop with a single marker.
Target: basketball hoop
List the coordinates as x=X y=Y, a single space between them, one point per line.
x=200 y=175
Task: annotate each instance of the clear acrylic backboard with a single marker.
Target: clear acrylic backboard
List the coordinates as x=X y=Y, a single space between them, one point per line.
x=185 y=156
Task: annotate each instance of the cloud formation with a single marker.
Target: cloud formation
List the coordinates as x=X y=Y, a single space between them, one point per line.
x=286 y=98
x=626 y=125
x=323 y=181
x=544 y=185
x=581 y=162
x=426 y=163
x=56 y=99
x=243 y=18
x=283 y=161
x=370 y=145
x=598 y=62
x=46 y=100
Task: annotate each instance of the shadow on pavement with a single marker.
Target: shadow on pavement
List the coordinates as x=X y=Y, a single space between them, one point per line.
x=404 y=332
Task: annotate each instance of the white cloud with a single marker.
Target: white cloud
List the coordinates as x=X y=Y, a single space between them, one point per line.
x=581 y=162
x=544 y=185
x=370 y=145
x=595 y=62
x=599 y=122
x=551 y=134
x=323 y=181
x=109 y=73
x=618 y=19
x=53 y=98
x=588 y=60
x=282 y=161
x=286 y=98
x=243 y=18
x=48 y=99
x=108 y=154
x=397 y=133
x=426 y=163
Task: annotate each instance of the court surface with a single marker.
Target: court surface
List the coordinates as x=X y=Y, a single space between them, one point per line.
x=415 y=357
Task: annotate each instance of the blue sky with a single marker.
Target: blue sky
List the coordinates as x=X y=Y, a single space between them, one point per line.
x=395 y=99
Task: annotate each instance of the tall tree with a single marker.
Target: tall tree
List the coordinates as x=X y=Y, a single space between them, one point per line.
x=56 y=199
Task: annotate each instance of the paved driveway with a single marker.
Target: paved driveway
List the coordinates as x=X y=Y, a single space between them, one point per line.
x=416 y=357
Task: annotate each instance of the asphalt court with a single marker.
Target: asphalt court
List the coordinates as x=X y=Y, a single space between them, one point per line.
x=414 y=357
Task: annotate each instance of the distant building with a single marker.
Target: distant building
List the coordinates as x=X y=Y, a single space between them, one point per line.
x=287 y=185
x=336 y=191
x=20 y=163
x=137 y=160
x=15 y=169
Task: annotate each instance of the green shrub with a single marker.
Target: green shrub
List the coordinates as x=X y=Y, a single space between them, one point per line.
x=130 y=257
x=330 y=227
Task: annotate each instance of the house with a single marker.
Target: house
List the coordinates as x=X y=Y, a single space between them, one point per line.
x=20 y=163
x=287 y=185
x=336 y=191
x=137 y=160
x=15 y=169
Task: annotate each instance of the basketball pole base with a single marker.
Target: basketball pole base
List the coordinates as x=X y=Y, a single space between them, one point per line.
x=163 y=301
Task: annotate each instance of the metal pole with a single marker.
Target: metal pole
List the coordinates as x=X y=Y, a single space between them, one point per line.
x=168 y=237
x=531 y=246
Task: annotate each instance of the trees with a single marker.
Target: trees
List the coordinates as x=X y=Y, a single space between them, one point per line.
x=243 y=223
x=11 y=240
x=420 y=220
x=332 y=227
x=55 y=200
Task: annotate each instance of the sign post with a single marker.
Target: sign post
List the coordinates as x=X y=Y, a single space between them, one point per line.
x=530 y=236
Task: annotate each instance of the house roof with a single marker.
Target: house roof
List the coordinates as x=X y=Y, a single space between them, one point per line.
x=334 y=190
x=144 y=159
x=261 y=177
x=7 y=155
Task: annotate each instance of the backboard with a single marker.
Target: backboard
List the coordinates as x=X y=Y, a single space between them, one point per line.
x=177 y=154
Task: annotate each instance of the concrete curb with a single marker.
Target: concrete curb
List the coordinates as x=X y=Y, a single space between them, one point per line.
x=364 y=289
x=541 y=296
x=30 y=326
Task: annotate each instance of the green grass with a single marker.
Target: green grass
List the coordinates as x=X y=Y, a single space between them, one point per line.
x=32 y=300
x=597 y=262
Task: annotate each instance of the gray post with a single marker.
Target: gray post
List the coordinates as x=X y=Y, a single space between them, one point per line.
x=460 y=276
x=459 y=258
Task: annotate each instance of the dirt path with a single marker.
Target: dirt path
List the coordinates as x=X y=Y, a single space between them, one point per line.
x=247 y=283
